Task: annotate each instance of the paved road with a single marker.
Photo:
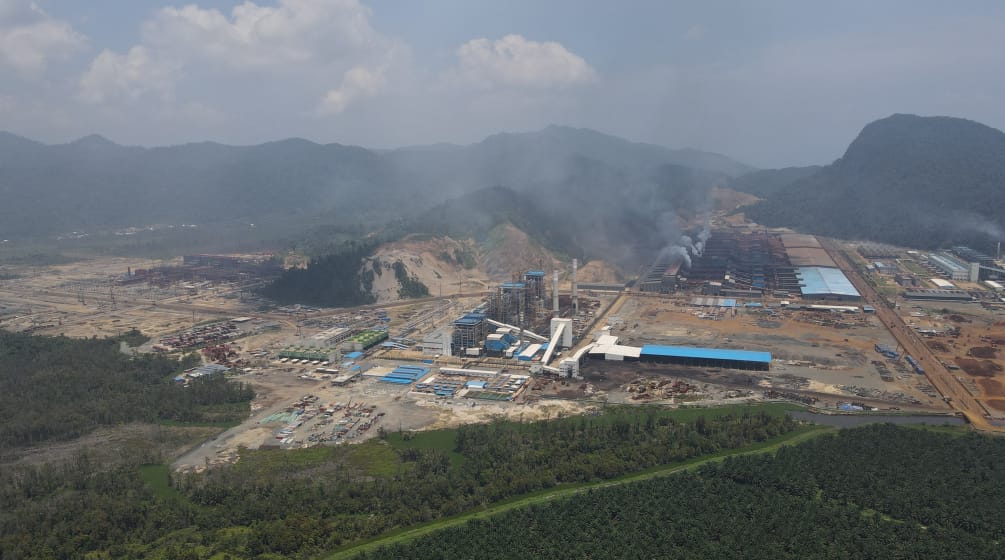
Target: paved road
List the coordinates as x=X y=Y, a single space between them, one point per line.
x=941 y=378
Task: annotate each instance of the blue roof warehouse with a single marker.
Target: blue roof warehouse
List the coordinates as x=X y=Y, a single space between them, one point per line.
x=706 y=357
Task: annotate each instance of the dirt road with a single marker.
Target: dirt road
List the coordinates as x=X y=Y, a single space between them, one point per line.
x=942 y=379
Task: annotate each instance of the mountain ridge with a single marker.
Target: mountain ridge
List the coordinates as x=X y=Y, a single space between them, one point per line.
x=905 y=179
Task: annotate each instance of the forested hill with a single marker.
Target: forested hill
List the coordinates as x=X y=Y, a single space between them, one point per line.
x=93 y=183
x=909 y=180
x=766 y=182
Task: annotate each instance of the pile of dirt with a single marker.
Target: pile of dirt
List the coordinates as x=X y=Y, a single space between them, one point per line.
x=997 y=404
x=992 y=387
x=940 y=347
x=982 y=352
x=978 y=368
x=959 y=319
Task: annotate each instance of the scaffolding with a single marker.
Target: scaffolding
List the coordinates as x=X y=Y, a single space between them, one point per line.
x=469 y=332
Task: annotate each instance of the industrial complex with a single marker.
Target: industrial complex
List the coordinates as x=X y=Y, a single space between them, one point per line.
x=732 y=312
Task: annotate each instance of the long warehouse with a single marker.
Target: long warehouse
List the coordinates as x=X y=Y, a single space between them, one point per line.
x=706 y=357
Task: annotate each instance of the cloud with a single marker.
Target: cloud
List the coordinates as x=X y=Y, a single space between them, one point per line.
x=129 y=76
x=321 y=51
x=30 y=39
x=293 y=32
x=357 y=83
x=516 y=62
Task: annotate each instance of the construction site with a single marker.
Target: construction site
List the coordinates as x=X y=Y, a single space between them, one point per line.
x=740 y=313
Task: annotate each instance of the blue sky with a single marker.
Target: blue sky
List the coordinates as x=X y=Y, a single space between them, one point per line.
x=769 y=83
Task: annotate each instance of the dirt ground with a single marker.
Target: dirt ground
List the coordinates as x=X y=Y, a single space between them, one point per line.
x=975 y=351
x=402 y=410
x=155 y=441
x=823 y=354
x=75 y=300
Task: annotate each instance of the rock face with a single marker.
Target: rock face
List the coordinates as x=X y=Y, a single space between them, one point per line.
x=447 y=266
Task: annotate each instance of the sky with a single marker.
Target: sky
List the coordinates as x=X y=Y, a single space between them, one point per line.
x=771 y=84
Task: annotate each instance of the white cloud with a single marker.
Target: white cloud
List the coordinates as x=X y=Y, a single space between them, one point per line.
x=516 y=62
x=293 y=32
x=308 y=46
x=117 y=77
x=30 y=39
x=357 y=83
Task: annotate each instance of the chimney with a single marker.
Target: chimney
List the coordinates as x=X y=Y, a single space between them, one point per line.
x=575 y=298
x=554 y=295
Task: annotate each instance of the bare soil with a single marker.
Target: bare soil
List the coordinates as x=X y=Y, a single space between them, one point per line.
x=979 y=368
x=985 y=352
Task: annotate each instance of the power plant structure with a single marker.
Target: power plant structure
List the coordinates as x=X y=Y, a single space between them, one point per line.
x=506 y=325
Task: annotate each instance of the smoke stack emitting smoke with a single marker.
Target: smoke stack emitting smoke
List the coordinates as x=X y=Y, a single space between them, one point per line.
x=685 y=248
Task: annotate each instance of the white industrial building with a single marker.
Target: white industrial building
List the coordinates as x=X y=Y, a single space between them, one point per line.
x=331 y=337
x=949 y=265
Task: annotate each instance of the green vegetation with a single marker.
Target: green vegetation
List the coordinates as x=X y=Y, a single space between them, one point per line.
x=133 y=338
x=305 y=502
x=58 y=388
x=766 y=182
x=408 y=285
x=404 y=535
x=907 y=180
x=332 y=281
x=872 y=492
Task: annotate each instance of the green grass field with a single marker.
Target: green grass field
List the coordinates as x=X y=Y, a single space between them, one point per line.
x=158 y=478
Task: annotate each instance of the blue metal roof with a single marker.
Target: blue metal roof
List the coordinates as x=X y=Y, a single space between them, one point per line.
x=513 y=285
x=396 y=380
x=705 y=353
x=468 y=321
x=539 y=273
x=824 y=280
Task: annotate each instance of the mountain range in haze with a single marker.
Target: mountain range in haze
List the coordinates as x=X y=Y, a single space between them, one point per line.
x=95 y=183
x=925 y=181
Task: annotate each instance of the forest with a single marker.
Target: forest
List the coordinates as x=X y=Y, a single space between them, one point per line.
x=302 y=503
x=924 y=182
x=335 y=280
x=875 y=492
x=59 y=388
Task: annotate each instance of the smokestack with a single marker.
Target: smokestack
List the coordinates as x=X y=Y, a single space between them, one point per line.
x=554 y=295
x=575 y=298
x=998 y=251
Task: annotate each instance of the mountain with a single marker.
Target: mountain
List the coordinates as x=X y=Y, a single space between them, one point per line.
x=766 y=182
x=908 y=180
x=93 y=183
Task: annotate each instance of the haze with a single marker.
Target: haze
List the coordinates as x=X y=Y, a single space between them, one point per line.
x=771 y=84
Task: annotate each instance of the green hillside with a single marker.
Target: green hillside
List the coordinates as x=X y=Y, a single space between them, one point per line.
x=908 y=180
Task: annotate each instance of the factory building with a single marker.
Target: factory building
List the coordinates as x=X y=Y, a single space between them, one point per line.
x=939 y=295
x=534 y=282
x=469 y=332
x=331 y=337
x=981 y=266
x=825 y=283
x=706 y=357
x=949 y=265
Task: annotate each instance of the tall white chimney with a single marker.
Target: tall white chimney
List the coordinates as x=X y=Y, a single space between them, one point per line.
x=575 y=298
x=554 y=295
